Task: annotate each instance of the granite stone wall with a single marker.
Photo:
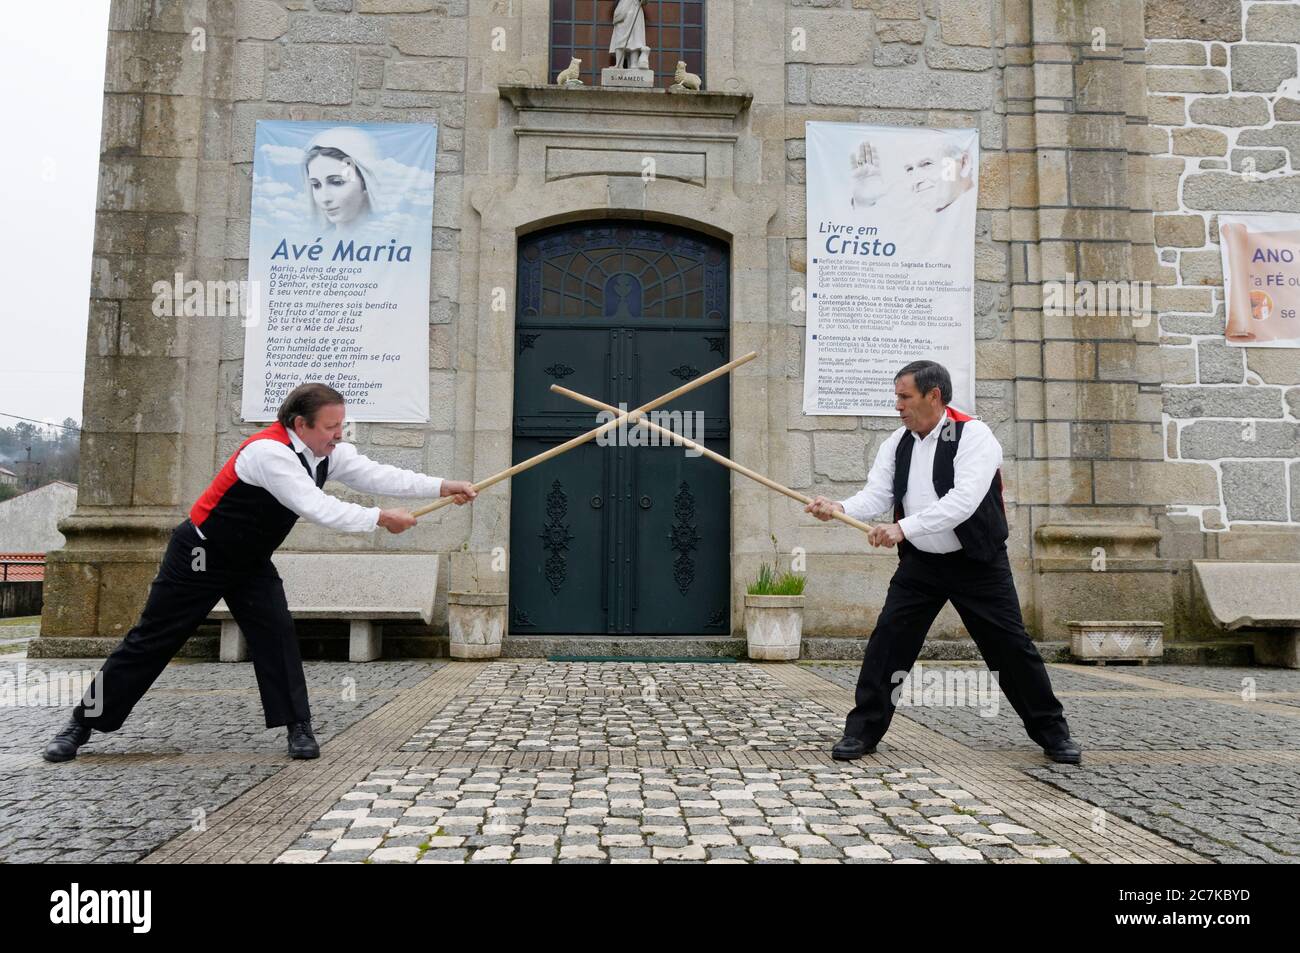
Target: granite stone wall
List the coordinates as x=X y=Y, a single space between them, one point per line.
x=1111 y=134
x=1224 y=105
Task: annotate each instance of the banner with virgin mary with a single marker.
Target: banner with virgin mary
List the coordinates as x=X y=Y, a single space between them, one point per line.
x=339 y=248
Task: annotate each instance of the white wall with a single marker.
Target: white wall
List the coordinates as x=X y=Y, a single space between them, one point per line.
x=29 y=523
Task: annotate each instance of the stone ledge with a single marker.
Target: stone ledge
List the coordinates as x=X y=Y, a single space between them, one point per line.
x=815 y=648
x=98 y=647
x=544 y=646
x=828 y=648
x=1114 y=565
x=91 y=533
x=1209 y=653
x=1077 y=541
x=590 y=100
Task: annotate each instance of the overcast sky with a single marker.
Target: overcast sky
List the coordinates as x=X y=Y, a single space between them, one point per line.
x=52 y=72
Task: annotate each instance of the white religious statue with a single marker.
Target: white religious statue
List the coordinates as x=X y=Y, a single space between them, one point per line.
x=571 y=74
x=684 y=81
x=628 y=41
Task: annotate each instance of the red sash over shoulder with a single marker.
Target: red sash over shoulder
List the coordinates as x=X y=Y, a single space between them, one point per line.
x=227 y=478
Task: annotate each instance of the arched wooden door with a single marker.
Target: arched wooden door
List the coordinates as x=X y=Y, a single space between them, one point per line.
x=619 y=539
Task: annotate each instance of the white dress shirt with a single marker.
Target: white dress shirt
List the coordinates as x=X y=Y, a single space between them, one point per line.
x=277 y=469
x=929 y=520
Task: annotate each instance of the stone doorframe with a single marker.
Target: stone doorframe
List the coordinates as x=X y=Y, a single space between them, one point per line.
x=562 y=156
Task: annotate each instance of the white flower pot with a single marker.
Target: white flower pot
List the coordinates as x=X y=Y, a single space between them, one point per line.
x=476 y=622
x=774 y=627
x=1100 y=641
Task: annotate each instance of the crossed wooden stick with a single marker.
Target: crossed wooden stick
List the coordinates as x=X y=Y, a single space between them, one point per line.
x=637 y=418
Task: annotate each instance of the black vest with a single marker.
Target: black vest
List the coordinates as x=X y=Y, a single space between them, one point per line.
x=245 y=519
x=984 y=535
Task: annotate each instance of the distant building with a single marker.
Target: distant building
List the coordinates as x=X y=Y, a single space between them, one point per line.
x=29 y=522
x=8 y=477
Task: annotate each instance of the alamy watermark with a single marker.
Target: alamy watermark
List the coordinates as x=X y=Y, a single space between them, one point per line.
x=1071 y=298
x=75 y=905
x=38 y=688
x=947 y=688
x=686 y=424
x=179 y=298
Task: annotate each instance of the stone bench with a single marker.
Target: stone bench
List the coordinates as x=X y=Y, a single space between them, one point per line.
x=1262 y=596
x=367 y=589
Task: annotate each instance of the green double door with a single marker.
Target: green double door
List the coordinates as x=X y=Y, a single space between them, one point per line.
x=620 y=538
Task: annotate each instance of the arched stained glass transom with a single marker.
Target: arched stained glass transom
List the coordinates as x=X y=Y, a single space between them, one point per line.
x=622 y=272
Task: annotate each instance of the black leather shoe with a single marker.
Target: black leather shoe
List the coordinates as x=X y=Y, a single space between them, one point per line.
x=302 y=743
x=66 y=742
x=1065 y=752
x=847 y=749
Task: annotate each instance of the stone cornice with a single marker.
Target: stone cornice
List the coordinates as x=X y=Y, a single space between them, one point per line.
x=598 y=100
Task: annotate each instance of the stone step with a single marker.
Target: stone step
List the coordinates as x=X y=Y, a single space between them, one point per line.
x=815 y=648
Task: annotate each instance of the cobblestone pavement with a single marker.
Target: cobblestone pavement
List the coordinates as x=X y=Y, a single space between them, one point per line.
x=849 y=814
x=1234 y=814
x=1238 y=812
x=779 y=800
x=579 y=706
x=528 y=761
x=652 y=813
x=1118 y=717
x=195 y=742
x=1279 y=685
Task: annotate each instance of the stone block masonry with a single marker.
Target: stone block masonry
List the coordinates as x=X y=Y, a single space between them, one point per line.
x=1223 y=82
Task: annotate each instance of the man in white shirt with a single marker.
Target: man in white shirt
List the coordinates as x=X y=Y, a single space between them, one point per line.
x=940 y=474
x=223 y=550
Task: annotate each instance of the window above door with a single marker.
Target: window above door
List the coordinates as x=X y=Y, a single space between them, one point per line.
x=674 y=30
x=623 y=274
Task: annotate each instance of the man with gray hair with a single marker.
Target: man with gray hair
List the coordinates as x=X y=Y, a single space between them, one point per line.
x=941 y=474
x=938 y=178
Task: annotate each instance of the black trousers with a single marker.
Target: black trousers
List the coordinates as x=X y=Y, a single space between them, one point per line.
x=195 y=574
x=984 y=595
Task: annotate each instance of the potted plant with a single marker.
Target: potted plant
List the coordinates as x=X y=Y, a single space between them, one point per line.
x=774 y=614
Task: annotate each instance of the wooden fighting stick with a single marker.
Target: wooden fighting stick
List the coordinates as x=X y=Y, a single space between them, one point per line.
x=715 y=457
x=632 y=415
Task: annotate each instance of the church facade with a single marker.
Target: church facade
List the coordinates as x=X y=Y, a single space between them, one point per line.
x=1111 y=134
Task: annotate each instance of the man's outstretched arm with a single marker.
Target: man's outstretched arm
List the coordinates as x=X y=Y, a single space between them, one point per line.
x=358 y=471
x=874 y=498
x=277 y=469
